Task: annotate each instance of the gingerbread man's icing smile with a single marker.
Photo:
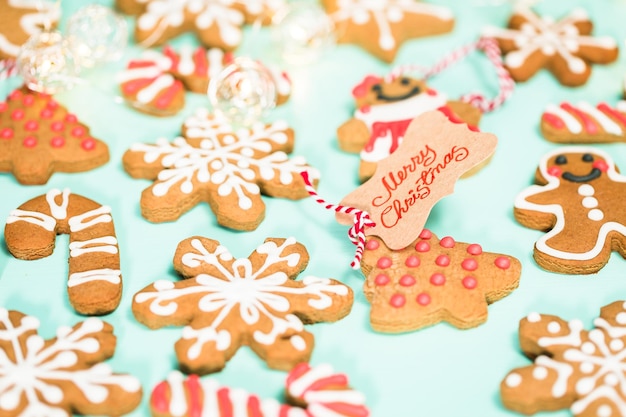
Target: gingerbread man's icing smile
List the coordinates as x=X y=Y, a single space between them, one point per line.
x=401 y=95
x=597 y=168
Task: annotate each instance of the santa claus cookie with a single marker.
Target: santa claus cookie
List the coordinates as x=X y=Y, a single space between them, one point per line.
x=384 y=110
x=580 y=200
x=21 y=19
x=226 y=302
x=434 y=280
x=38 y=137
x=584 y=123
x=64 y=375
x=574 y=368
x=156 y=82
x=381 y=27
x=564 y=47
x=217 y=23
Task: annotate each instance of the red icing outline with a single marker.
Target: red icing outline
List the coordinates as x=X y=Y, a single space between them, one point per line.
x=194 y=389
x=447 y=111
x=223 y=402
x=159 y=400
x=254 y=406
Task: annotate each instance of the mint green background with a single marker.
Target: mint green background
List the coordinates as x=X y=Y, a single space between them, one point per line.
x=438 y=371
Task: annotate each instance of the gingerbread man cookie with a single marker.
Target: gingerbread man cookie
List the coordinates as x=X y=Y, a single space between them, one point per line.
x=584 y=123
x=21 y=19
x=216 y=23
x=94 y=285
x=580 y=200
x=38 y=137
x=225 y=167
x=226 y=303
x=381 y=27
x=563 y=47
x=434 y=280
x=312 y=391
x=64 y=375
x=582 y=370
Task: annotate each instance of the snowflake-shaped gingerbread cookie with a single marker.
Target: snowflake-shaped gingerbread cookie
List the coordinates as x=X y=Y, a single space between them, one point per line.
x=21 y=19
x=380 y=27
x=583 y=370
x=61 y=376
x=225 y=167
x=563 y=47
x=227 y=302
x=434 y=280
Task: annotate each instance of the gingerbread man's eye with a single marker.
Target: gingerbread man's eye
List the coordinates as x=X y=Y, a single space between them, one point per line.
x=561 y=160
x=405 y=81
x=377 y=88
x=587 y=157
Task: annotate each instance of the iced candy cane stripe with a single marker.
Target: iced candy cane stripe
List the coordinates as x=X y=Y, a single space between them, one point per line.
x=95 y=280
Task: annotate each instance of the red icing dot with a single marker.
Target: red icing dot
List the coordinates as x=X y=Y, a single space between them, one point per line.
x=601 y=165
x=57 y=141
x=31 y=125
x=469 y=282
x=6 y=133
x=555 y=171
x=372 y=244
x=78 y=131
x=52 y=105
x=412 y=261
x=437 y=279
x=29 y=142
x=46 y=113
x=407 y=281
x=422 y=246
x=442 y=260
x=17 y=114
x=29 y=99
x=426 y=234
x=3 y=106
x=397 y=300
x=70 y=118
x=57 y=126
x=469 y=264
x=88 y=144
x=447 y=242
x=15 y=95
x=502 y=262
x=381 y=279
x=474 y=249
x=384 y=262
x=423 y=299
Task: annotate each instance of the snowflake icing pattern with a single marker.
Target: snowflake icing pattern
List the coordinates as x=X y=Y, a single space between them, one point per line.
x=40 y=374
x=247 y=301
x=583 y=370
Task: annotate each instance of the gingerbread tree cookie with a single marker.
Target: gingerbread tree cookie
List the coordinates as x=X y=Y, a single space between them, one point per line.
x=434 y=280
x=563 y=47
x=226 y=303
x=579 y=200
x=21 y=20
x=38 y=137
x=64 y=375
x=583 y=370
x=381 y=27
x=225 y=167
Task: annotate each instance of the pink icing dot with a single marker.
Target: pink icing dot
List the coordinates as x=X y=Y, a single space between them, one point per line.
x=6 y=133
x=88 y=144
x=372 y=244
x=28 y=100
x=17 y=114
x=70 y=118
x=422 y=246
x=3 y=106
x=474 y=249
x=52 y=105
x=423 y=299
x=502 y=262
x=57 y=126
x=407 y=281
x=29 y=142
x=412 y=261
x=46 y=113
x=437 y=279
x=447 y=242
x=78 y=131
x=384 y=262
x=555 y=171
x=426 y=234
x=469 y=282
x=57 y=142
x=469 y=264
x=15 y=95
x=397 y=300
x=31 y=125
x=442 y=260
x=381 y=279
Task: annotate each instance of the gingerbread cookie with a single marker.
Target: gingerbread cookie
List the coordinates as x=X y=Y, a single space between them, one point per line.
x=21 y=19
x=434 y=280
x=563 y=47
x=156 y=82
x=227 y=168
x=95 y=281
x=381 y=27
x=384 y=110
x=38 y=137
x=216 y=23
x=584 y=123
x=226 y=303
x=579 y=201
x=582 y=370
x=315 y=391
x=64 y=375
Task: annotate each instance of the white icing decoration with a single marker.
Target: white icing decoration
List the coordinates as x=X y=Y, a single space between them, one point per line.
x=586 y=190
x=37 y=14
x=150 y=92
x=58 y=211
x=600 y=117
x=571 y=123
x=534 y=317
x=513 y=380
x=595 y=215
x=554 y=327
x=90 y=218
x=33 y=217
x=573 y=338
x=113 y=276
x=106 y=244
x=540 y=373
x=606 y=123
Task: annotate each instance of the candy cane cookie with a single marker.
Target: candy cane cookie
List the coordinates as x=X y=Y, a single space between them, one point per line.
x=584 y=123
x=95 y=280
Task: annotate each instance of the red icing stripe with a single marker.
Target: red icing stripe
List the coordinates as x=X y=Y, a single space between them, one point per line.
x=447 y=111
x=229 y=58
x=224 y=404
x=201 y=61
x=159 y=399
x=140 y=64
x=254 y=406
x=168 y=95
x=588 y=124
x=320 y=384
x=553 y=120
x=297 y=371
x=284 y=411
x=195 y=404
x=131 y=87
x=172 y=55
x=348 y=410
x=604 y=108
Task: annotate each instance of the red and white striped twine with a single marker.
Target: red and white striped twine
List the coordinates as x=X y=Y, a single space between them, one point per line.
x=490 y=47
x=8 y=68
x=361 y=220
